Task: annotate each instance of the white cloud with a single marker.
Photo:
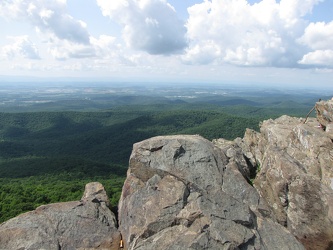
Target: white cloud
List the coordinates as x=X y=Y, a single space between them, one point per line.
x=202 y=53
x=66 y=37
x=105 y=46
x=63 y=50
x=319 y=58
x=292 y=10
x=235 y=32
x=102 y=53
x=47 y=16
x=148 y=25
x=110 y=52
x=269 y=33
x=319 y=38
x=21 y=47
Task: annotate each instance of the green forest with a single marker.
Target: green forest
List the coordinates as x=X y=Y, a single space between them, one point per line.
x=49 y=156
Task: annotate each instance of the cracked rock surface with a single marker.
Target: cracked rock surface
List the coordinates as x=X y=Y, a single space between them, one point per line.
x=184 y=192
x=295 y=178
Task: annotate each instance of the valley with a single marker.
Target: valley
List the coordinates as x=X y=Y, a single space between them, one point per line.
x=56 y=137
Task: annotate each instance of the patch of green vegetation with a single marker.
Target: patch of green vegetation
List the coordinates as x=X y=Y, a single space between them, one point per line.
x=19 y=195
x=48 y=157
x=253 y=175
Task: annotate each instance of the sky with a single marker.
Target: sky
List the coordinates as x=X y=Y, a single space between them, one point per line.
x=268 y=41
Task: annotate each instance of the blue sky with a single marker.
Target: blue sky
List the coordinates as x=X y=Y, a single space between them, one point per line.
x=268 y=41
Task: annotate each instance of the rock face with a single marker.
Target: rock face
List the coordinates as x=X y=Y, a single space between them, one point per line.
x=85 y=224
x=182 y=192
x=324 y=110
x=296 y=176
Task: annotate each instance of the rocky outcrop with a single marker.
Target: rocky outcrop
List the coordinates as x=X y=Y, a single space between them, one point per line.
x=296 y=176
x=85 y=224
x=324 y=110
x=183 y=192
x=263 y=191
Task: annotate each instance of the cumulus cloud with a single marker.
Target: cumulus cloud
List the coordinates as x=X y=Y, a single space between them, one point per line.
x=319 y=38
x=148 y=25
x=236 y=32
x=291 y=10
x=102 y=52
x=47 y=16
x=66 y=37
x=319 y=58
x=105 y=46
x=269 y=33
x=21 y=47
x=63 y=50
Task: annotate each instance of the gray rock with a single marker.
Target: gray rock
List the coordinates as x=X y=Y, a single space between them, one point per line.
x=295 y=177
x=95 y=192
x=85 y=224
x=324 y=110
x=182 y=192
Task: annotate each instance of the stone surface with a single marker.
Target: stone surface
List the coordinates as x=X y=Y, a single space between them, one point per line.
x=95 y=192
x=184 y=192
x=324 y=110
x=296 y=171
x=85 y=224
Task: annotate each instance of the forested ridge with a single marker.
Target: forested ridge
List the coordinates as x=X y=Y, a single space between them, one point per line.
x=48 y=157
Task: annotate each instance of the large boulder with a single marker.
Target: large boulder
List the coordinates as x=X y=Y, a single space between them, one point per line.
x=184 y=192
x=85 y=224
x=296 y=175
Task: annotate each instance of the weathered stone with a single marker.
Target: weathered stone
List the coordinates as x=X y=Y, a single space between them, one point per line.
x=324 y=111
x=296 y=169
x=329 y=130
x=237 y=179
x=270 y=235
x=182 y=192
x=86 y=224
x=237 y=152
x=95 y=192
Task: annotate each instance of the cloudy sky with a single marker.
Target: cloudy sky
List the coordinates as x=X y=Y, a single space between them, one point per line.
x=268 y=41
